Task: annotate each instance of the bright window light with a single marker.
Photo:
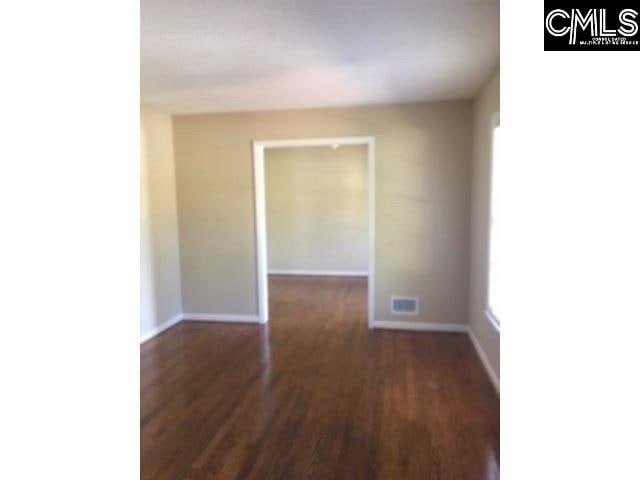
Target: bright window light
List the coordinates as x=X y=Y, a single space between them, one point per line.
x=498 y=248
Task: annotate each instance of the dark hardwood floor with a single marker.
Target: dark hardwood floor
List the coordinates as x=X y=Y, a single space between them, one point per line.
x=315 y=395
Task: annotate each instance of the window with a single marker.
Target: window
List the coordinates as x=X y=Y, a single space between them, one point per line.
x=497 y=287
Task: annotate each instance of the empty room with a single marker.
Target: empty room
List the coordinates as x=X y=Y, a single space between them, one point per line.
x=320 y=240
x=320 y=246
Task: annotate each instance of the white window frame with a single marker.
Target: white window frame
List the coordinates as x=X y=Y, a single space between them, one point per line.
x=493 y=319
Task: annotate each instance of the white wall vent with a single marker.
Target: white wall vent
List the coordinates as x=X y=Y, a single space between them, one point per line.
x=404 y=305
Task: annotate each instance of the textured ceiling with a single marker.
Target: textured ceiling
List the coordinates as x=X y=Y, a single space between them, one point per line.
x=232 y=55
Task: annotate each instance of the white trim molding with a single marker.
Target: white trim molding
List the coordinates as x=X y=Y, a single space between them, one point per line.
x=161 y=328
x=322 y=273
x=485 y=362
x=444 y=327
x=220 y=317
x=198 y=317
x=492 y=319
x=259 y=147
x=421 y=326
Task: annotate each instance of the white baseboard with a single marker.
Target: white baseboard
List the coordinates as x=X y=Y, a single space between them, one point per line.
x=201 y=317
x=444 y=327
x=485 y=362
x=161 y=328
x=322 y=273
x=221 y=317
x=420 y=326
x=381 y=324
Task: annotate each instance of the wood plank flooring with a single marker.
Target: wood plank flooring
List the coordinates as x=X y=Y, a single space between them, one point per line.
x=315 y=395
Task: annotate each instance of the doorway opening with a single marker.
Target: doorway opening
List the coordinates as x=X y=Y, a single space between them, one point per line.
x=348 y=257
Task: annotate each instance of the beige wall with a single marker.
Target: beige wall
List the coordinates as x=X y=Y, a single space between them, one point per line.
x=160 y=292
x=422 y=202
x=317 y=209
x=486 y=105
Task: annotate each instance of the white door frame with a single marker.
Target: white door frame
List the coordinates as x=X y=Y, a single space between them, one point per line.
x=259 y=147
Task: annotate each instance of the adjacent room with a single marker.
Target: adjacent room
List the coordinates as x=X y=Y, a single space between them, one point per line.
x=320 y=239
x=317 y=235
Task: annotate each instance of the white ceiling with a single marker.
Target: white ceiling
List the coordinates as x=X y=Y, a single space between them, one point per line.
x=233 y=55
